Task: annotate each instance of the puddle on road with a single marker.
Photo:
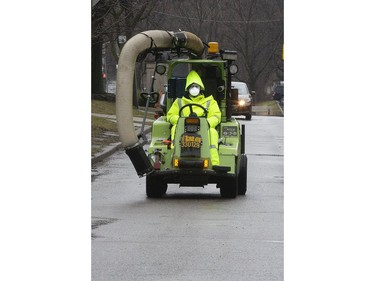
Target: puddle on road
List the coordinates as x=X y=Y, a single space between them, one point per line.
x=97 y=222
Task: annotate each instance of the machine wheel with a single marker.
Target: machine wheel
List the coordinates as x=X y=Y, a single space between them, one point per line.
x=248 y=117
x=155 y=187
x=242 y=175
x=228 y=187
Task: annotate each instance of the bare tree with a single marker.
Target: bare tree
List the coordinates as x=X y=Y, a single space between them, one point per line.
x=253 y=28
x=257 y=35
x=98 y=15
x=111 y=18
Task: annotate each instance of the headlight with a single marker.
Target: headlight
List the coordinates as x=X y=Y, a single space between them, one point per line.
x=233 y=69
x=241 y=102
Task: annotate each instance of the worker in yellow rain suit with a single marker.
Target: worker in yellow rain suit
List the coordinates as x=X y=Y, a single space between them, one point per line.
x=194 y=87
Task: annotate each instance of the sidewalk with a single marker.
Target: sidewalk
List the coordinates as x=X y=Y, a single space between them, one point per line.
x=112 y=148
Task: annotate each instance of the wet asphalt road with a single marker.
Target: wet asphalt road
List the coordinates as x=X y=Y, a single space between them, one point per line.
x=192 y=233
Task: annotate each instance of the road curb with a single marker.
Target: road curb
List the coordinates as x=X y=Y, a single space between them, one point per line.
x=281 y=110
x=109 y=150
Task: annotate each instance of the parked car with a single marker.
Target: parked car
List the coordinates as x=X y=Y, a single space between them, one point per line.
x=243 y=105
x=278 y=92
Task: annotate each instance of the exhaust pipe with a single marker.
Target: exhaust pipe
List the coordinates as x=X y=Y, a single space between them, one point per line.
x=148 y=40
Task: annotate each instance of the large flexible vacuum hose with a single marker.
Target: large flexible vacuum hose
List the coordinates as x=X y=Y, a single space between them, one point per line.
x=147 y=40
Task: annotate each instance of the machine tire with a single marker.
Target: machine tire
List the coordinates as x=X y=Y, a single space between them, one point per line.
x=228 y=187
x=248 y=117
x=155 y=187
x=242 y=175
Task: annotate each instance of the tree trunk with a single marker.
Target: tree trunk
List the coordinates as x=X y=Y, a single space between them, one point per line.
x=96 y=69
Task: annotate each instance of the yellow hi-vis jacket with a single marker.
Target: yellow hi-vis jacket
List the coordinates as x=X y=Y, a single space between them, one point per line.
x=213 y=118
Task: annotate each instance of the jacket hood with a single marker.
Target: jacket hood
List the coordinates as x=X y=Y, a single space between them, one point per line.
x=193 y=77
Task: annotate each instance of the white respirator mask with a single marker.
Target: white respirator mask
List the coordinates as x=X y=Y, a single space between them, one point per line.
x=194 y=91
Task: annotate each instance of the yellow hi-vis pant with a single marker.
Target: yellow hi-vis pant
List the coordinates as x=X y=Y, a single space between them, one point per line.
x=214 y=140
